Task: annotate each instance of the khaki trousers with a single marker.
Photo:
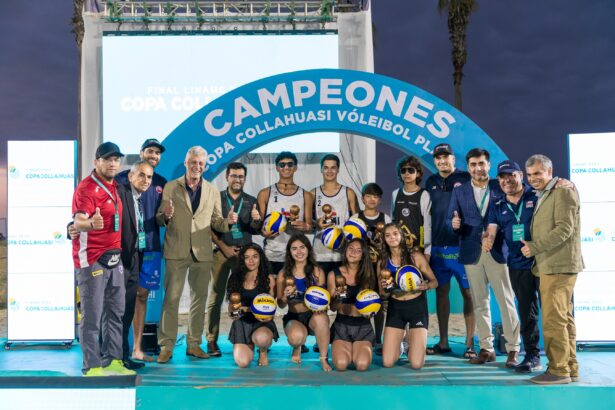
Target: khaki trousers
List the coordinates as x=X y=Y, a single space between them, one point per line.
x=558 y=327
x=222 y=268
x=480 y=275
x=175 y=277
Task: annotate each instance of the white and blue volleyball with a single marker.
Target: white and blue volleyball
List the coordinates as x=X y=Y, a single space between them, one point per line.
x=355 y=228
x=263 y=306
x=368 y=303
x=275 y=222
x=332 y=237
x=317 y=299
x=408 y=278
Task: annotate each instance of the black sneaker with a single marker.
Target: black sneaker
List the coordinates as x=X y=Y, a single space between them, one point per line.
x=132 y=365
x=304 y=349
x=529 y=364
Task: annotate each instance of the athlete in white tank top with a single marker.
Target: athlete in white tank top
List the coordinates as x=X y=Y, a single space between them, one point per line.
x=275 y=248
x=339 y=213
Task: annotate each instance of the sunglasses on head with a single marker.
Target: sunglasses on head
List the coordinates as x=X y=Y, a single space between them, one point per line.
x=289 y=164
x=407 y=170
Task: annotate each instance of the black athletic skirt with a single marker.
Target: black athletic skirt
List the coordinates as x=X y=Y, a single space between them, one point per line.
x=242 y=329
x=303 y=318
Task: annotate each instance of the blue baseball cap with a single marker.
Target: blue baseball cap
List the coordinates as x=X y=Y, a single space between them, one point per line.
x=508 y=167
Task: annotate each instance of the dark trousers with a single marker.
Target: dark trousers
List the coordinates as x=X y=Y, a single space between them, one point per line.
x=131 y=282
x=526 y=287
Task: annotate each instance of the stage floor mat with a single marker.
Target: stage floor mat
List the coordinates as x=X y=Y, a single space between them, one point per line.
x=446 y=380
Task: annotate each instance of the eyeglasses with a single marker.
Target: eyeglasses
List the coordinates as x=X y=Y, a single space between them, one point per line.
x=233 y=176
x=407 y=170
x=286 y=164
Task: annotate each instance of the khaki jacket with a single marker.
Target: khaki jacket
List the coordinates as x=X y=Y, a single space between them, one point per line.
x=187 y=231
x=556 y=233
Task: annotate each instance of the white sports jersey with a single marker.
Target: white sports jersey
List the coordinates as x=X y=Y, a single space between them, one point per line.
x=275 y=248
x=340 y=213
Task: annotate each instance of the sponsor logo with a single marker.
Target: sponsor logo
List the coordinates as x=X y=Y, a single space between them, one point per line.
x=13 y=171
x=456 y=184
x=405 y=212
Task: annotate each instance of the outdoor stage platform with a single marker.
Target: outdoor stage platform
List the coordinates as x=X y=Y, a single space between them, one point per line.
x=445 y=382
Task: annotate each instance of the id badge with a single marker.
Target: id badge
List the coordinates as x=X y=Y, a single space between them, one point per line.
x=141 y=240
x=117 y=222
x=235 y=232
x=518 y=232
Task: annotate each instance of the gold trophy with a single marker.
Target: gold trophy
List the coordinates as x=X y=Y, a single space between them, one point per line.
x=378 y=233
x=386 y=275
x=235 y=301
x=340 y=286
x=327 y=221
x=293 y=213
x=290 y=282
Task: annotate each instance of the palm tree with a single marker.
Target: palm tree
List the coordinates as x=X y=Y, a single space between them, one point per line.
x=458 y=19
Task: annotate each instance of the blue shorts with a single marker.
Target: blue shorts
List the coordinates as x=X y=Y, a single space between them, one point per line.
x=444 y=264
x=149 y=276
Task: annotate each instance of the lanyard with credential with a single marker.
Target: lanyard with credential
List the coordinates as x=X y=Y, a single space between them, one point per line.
x=518 y=229
x=140 y=226
x=482 y=202
x=235 y=231
x=116 y=218
x=518 y=213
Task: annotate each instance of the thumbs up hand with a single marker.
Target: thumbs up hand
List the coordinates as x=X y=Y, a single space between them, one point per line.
x=256 y=216
x=96 y=222
x=232 y=216
x=456 y=221
x=525 y=250
x=169 y=210
x=487 y=242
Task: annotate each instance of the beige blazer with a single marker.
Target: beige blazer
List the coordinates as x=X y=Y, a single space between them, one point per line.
x=556 y=233
x=187 y=231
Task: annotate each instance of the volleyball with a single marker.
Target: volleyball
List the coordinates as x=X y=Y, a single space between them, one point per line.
x=355 y=228
x=317 y=299
x=275 y=222
x=408 y=278
x=368 y=303
x=332 y=237
x=263 y=306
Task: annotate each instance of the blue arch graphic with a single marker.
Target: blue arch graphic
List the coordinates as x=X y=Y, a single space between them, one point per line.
x=355 y=102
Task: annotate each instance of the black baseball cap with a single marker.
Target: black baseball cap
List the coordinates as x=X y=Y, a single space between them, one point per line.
x=442 y=149
x=152 y=142
x=508 y=167
x=108 y=149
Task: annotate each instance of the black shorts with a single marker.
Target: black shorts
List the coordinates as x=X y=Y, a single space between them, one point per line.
x=242 y=329
x=352 y=329
x=412 y=312
x=303 y=318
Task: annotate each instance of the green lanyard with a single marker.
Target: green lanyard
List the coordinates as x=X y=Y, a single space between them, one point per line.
x=482 y=202
x=235 y=231
x=115 y=203
x=518 y=213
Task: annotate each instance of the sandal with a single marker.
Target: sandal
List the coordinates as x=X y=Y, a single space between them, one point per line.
x=469 y=353
x=437 y=349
